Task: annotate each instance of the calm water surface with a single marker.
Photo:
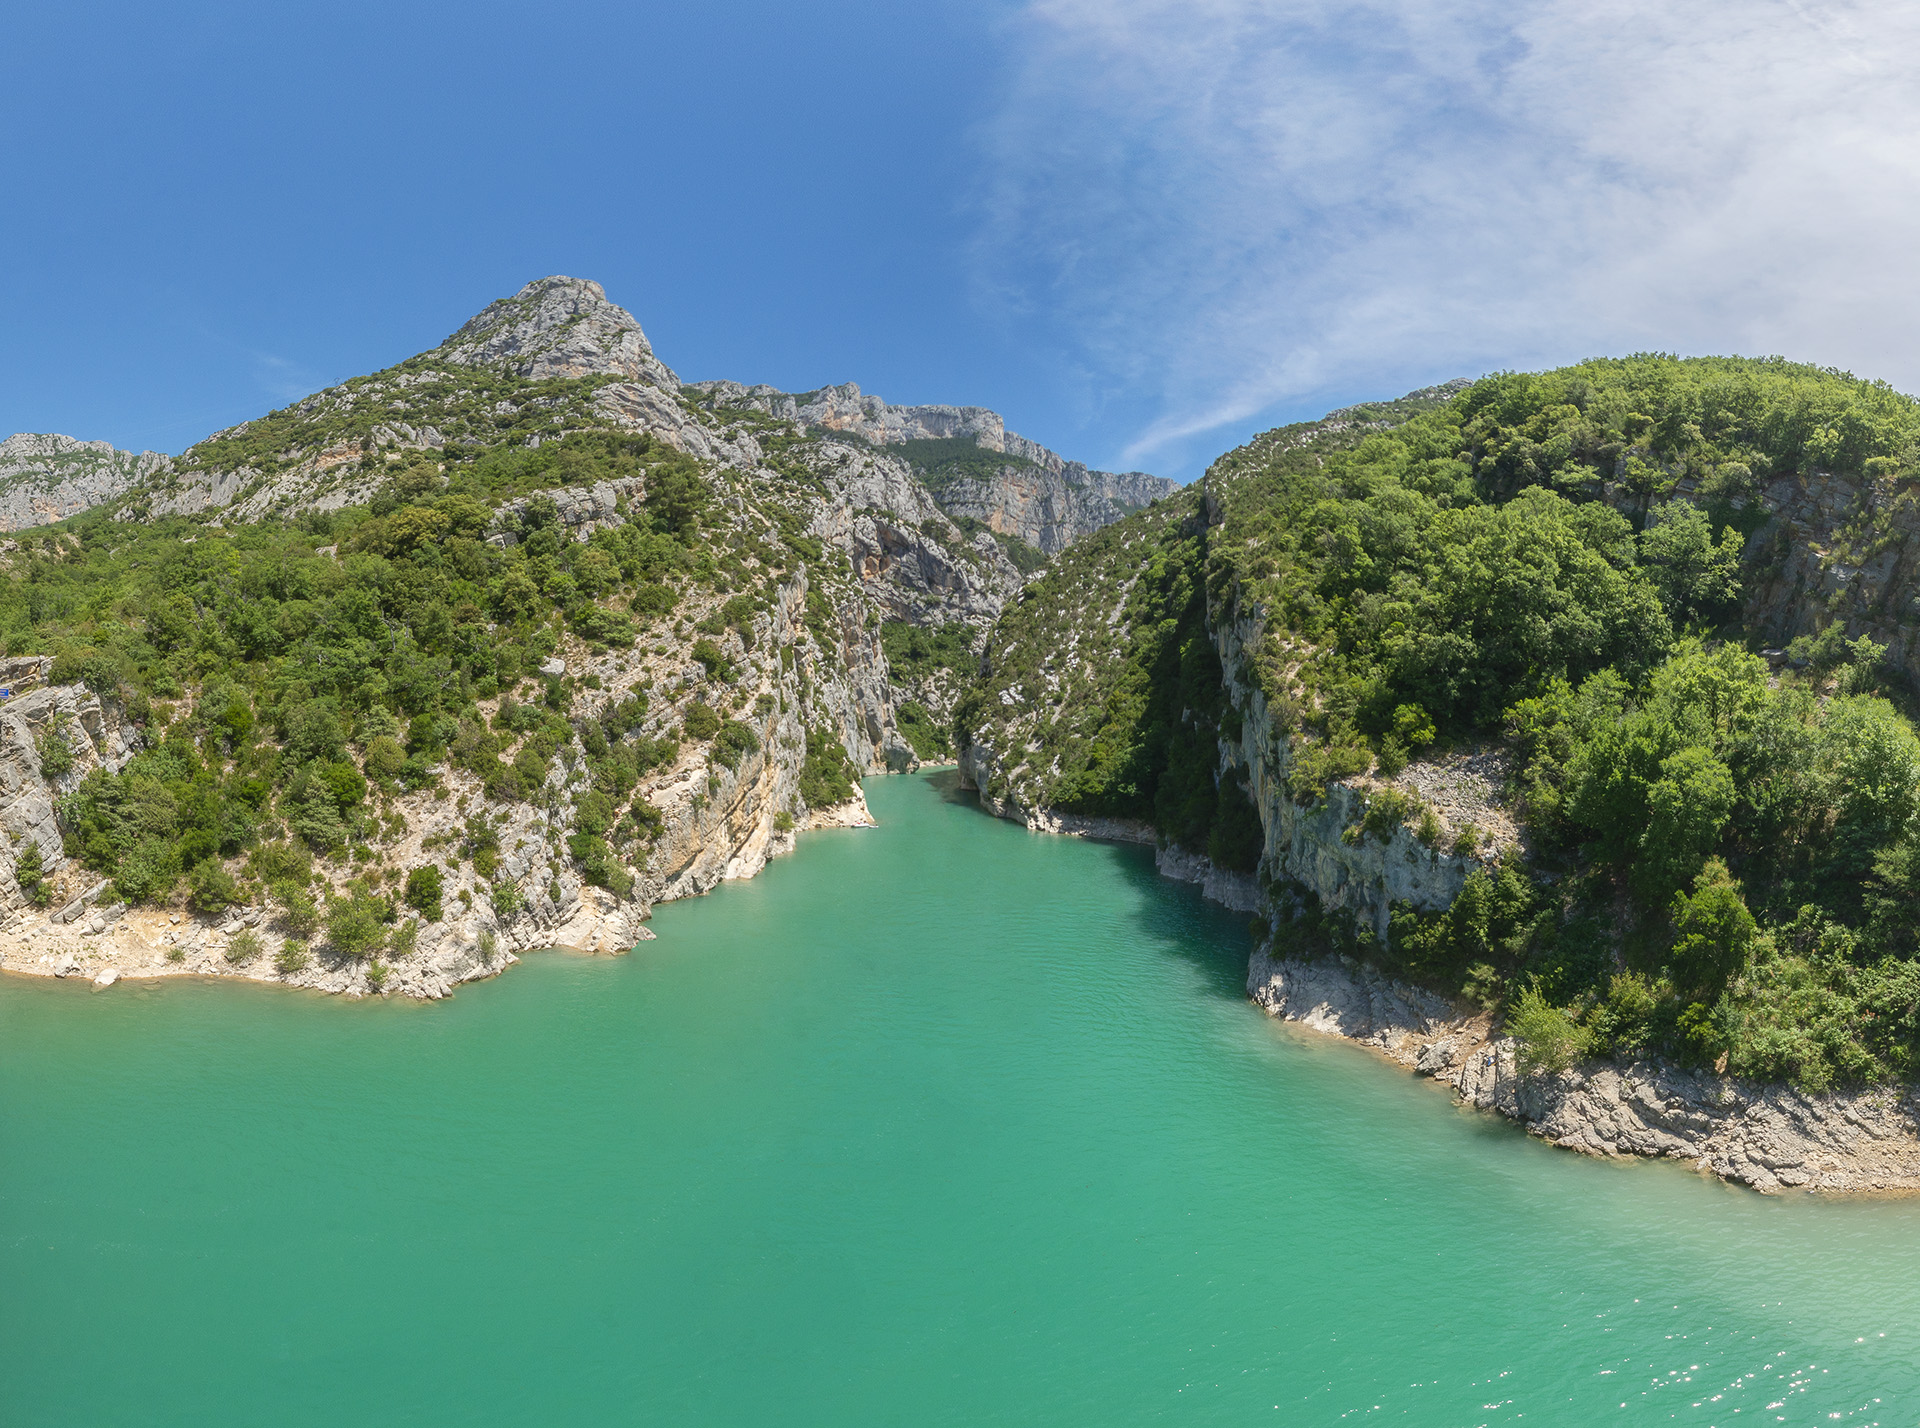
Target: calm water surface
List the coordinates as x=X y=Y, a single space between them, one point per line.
x=939 y=1123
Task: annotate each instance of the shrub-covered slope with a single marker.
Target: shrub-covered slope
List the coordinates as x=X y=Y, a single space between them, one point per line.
x=1567 y=579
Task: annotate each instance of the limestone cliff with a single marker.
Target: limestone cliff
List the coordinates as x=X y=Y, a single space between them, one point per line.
x=1058 y=665
x=1833 y=548
x=46 y=478
x=1033 y=495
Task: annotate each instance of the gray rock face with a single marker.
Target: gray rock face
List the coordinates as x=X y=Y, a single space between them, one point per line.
x=99 y=736
x=1038 y=496
x=846 y=408
x=583 y=509
x=1768 y=1137
x=559 y=327
x=46 y=477
x=1309 y=845
x=914 y=562
x=1050 y=508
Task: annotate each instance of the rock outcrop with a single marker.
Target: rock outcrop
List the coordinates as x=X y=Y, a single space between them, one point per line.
x=1049 y=508
x=559 y=327
x=46 y=478
x=1036 y=495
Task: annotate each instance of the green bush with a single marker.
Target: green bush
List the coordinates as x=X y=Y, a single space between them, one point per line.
x=599 y=864
x=707 y=655
x=424 y=887
x=356 y=924
x=734 y=742
x=1550 y=1039
x=55 y=750
x=1714 y=934
x=701 y=722
x=826 y=775
x=298 y=910
x=211 y=888
x=915 y=652
x=929 y=741
x=29 y=873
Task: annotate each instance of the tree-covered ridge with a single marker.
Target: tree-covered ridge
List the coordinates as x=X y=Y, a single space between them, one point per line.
x=295 y=679
x=1102 y=690
x=1719 y=854
x=1717 y=851
x=941 y=461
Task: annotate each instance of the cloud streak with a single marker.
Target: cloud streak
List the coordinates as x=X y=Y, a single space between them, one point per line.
x=1228 y=206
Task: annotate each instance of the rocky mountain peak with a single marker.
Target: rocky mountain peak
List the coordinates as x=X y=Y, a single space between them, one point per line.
x=559 y=327
x=46 y=477
x=24 y=447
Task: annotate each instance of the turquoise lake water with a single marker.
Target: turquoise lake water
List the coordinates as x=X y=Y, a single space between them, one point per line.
x=942 y=1122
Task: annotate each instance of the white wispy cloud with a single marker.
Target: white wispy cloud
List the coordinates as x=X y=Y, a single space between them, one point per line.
x=1228 y=205
x=281 y=378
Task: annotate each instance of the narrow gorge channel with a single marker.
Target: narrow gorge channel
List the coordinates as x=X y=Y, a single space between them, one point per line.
x=939 y=1122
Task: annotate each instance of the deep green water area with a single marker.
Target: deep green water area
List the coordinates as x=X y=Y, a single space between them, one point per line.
x=942 y=1122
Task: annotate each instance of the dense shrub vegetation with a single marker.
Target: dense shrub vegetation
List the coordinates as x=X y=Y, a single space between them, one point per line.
x=942 y=462
x=293 y=677
x=1106 y=661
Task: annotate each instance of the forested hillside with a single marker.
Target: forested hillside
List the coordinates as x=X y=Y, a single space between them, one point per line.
x=1574 y=577
x=492 y=648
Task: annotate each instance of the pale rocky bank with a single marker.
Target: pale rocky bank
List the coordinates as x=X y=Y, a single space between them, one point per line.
x=1768 y=1137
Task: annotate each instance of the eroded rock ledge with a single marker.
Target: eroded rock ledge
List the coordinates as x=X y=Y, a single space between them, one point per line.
x=1768 y=1137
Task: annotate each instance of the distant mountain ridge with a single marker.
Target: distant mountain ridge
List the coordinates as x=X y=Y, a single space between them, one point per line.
x=555 y=357
x=1036 y=495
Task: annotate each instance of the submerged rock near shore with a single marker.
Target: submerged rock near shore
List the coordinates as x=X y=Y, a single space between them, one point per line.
x=1767 y=1137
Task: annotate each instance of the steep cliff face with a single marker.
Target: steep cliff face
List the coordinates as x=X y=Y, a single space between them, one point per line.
x=46 y=478
x=1034 y=495
x=1838 y=548
x=1049 y=508
x=1058 y=735
x=1326 y=849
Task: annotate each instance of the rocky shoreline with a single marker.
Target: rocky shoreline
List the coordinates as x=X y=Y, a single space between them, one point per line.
x=106 y=945
x=1771 y=1138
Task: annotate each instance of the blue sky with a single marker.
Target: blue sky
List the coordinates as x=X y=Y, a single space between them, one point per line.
x=1141 y=230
